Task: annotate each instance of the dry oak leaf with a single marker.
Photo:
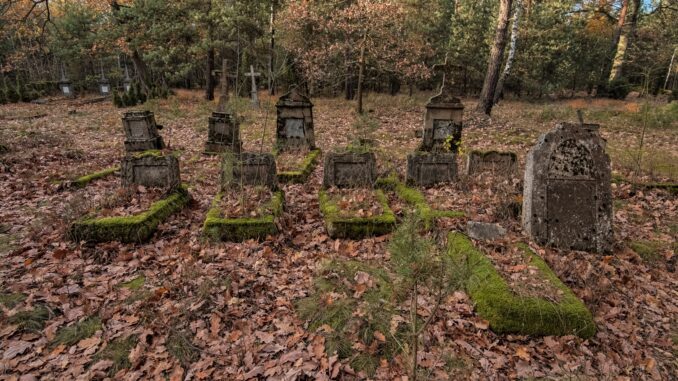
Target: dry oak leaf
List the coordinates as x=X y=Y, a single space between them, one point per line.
x=522 y=353
x=15 y=348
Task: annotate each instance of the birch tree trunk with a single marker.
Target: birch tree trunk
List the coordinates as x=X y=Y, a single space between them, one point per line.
x=486 y=100
x=515 y=29
x=622 y=45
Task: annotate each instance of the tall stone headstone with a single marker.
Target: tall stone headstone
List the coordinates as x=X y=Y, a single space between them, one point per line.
x=141 y=131
x=294 y=126
x=567 y=201
x=223 y=133
x=443 y=122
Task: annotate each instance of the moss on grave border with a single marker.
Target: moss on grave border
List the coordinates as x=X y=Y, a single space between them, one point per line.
x=218 y=228
x=300 y=175
x=83 y=181
x=356 y=227
x=135 y=228
x=508 y=312
x=415 y=198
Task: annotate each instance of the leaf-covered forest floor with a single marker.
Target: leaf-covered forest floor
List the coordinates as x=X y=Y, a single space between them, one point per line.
x=180 y=306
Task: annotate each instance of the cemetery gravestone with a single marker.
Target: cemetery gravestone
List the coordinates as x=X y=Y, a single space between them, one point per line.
x=567 y=200
x=492 y=161
x=426 y=169
x=294 y=126
x=253 y=91
x=151 y=170
x=223 y=133
x=346 y=170
x=443 y=122
x=141 y=131
x=249 y=168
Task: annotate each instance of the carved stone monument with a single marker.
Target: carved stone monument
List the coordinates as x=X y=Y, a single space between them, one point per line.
x=249 y=168
x=294 y=126
x=426 y=169
x=151 y=170
x=443 y=122
x=567 y=200
x=347 y=170
x=141 y=131
x=223 y=134
x=492 y=161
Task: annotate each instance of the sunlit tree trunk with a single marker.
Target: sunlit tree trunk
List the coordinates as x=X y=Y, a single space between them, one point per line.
x=622 y=45
x=496 y=54
x=512 y=51
x=361 y=74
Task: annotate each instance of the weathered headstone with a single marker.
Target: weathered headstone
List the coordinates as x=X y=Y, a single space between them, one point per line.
x=346 y=170
x=443 y=122
x=567 y=200
x=151 y=170
x=65 y=84
x=141 y=131
x=127 y=82
x=249 y=168
x=427 y=168
x=294 y=126
x=253 y=91
x=223 y=133
x=492 y=161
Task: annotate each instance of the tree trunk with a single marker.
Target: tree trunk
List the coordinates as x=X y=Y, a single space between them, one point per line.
x=211 y=82
x=668 y=72
x=141 y=70
x=605 y=72
x=496 y=54
x=622 y=45
x=361 y=74
x=271 y=61
x=512 y=51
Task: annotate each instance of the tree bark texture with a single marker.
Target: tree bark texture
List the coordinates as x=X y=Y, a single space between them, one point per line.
x=496 y=55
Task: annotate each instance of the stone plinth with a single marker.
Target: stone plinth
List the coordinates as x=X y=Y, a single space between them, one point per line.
x=151 y=170
x=348 y=170
x=430 y=168
x=249 y=168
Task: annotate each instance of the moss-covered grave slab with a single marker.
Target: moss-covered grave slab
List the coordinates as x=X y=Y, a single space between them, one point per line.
x=83 y=181
x=356 y=227
x=508 y=312
x=135 y=228
x=219 y=228
x=300 y=175
x=416 y=199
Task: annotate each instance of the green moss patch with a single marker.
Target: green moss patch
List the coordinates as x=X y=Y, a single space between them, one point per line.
x=134 y=284
x=354 y=314
x=650 y=251
x=218 y=228
x=508 y=312
x=135 y=228
x=82 y=181
x=300 y=175
x=416 y=199
x=356 y=227
x=71 y=335
x=118 y=352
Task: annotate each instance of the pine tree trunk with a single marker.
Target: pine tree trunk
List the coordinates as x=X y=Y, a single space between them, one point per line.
x=361 y=74
x=271 y=58
x=512 y=51
x=209 y=92
x=622 y=45
x=486 y=100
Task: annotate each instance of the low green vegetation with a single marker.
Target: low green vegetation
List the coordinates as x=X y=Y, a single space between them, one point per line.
x=117 y=351
x=650 y=251
x=134 y=284
x=218 y=228
x=180 y=346
x=11 y=300
x=82 y=181
x=32 y=320
x=72 y=334
x=356 y=227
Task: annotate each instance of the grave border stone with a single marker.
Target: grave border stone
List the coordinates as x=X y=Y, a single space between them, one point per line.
x=416 y=162
x=135 y=228
x=356 y=227
x=299 y=176
x=508 y=313
x=475 y=162
x=535 y=215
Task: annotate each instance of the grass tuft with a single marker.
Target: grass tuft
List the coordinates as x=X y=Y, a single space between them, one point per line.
x=648 y=250
x=12 y=300
x=31 y=320
x=134 y=284
x=118 y=352
x=71 y=335
x=180 y=345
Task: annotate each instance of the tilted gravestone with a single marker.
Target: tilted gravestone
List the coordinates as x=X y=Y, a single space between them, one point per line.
x=151 y=170
x=426 y=169
x=347 y=170
x=141 y=131
x=249 y=168
x=294 y=126
x=492 y=161
x=567 y=200
x=443 y=122
x=223 y=133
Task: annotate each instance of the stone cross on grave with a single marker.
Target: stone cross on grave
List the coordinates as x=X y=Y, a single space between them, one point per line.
x=444 y=68
x=253 y=75
x=223 y=97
